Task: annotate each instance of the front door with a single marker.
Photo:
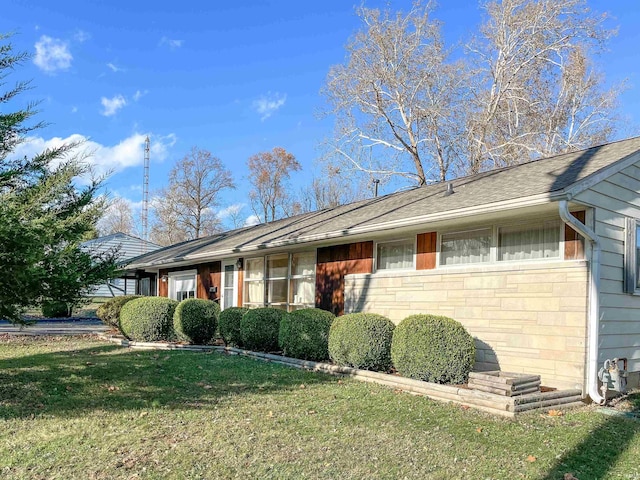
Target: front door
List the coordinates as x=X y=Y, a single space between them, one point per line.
x=229 y=295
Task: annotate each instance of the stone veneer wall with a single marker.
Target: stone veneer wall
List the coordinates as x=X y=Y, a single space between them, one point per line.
x=529 y=318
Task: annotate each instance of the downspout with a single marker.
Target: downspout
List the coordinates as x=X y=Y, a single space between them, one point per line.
x=594 y=299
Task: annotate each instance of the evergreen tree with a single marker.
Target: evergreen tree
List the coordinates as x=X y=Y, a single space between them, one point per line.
x=44 y=214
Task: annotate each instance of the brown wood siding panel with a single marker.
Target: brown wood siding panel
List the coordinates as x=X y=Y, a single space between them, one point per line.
x=426 y=251
x=333 y=264
x=163 y=286
x=203 y=281
x=573 y=242
x=215 y=278
x=240 y=285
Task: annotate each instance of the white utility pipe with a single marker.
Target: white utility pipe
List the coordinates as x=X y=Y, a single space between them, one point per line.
x=594 y=299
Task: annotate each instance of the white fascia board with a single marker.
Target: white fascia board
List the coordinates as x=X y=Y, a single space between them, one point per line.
x=523 y=202
x=540 y=199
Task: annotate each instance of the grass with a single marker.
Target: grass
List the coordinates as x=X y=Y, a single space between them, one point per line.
x=75 y=407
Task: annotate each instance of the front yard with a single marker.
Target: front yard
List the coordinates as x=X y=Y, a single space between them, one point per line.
x=74 y=407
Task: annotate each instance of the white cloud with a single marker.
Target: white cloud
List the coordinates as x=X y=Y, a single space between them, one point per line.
x=139 y=94
x=231 y=210
x=171 y=42
x=112 y=105
x=52 y=54
x=104 y=159
x=251 y=220
x=268 y=104
x=114 y=68
x=81 y=36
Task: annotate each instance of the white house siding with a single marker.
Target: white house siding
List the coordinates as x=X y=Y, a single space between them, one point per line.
x=129 y=247
x=116 y=290
x=614 y=199
x=529 y=318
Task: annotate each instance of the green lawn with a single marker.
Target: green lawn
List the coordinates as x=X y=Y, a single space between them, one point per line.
x=80 y=408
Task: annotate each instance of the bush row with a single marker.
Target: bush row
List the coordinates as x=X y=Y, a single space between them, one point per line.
x=152 y=319
x=300 y=334
x=424 y=347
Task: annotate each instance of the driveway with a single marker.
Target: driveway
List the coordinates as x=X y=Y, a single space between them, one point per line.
x=56 y=327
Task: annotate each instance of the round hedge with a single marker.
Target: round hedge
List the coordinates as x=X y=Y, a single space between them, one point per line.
x=229 y=325
x=433 y=348
x=109 y=311
x=304 y=334
x=55 y=309
x=195 y=320
x=361 y=340
x=148 y=319
x=259 y=329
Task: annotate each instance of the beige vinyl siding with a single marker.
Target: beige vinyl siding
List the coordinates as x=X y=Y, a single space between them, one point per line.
x=614 y=199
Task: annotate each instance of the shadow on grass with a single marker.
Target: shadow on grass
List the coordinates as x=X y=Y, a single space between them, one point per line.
x=74 y=381
x=598 y=452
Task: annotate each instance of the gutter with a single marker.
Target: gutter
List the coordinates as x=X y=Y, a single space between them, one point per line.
x=344 y=233
x=594 y=299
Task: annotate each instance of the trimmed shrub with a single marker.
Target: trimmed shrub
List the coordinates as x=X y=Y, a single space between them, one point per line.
x=109 y=311
x=433 y=348
x=304 y=334
x=229 y=325
x=259 y=329
x=55 y=309
x=361 y=340
x=195 y=320
x=148 y=319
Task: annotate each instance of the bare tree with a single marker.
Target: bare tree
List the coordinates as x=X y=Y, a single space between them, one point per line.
x=186 y=208
x=236 y=219
x=269 y=173
x=331 y=189
x=395 y=99
x=535 y=91
x=117 y=218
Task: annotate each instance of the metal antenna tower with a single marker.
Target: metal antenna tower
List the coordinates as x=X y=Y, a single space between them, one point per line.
x=145 y=193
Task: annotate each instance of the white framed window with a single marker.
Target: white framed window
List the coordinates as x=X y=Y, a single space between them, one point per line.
x=632 y=256
x=395 y=255
x=471 y=246
x=277 y=273
x=254 y=282
x=531 y=241
x=182 y=285
x=302 y=284
x=283 y=280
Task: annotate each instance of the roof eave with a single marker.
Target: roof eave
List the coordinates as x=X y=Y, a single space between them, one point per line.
x=516 y=203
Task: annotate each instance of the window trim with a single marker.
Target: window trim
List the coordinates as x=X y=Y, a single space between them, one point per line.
x=288 y=278
x=246 y=281
x=539 y=221
x=413 y=239
x=631 y=280
x=492 y=229
x=181 y=273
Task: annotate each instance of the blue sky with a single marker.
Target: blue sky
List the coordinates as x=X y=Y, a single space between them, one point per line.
x=235 y=78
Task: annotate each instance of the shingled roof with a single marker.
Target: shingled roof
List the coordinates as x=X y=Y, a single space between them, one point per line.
x=546 y=180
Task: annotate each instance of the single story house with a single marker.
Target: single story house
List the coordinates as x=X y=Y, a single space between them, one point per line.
x=539 y=261
x=128 y=247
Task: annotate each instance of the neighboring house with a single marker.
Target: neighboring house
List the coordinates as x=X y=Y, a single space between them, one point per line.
x=128 y=247
x=539 y=262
